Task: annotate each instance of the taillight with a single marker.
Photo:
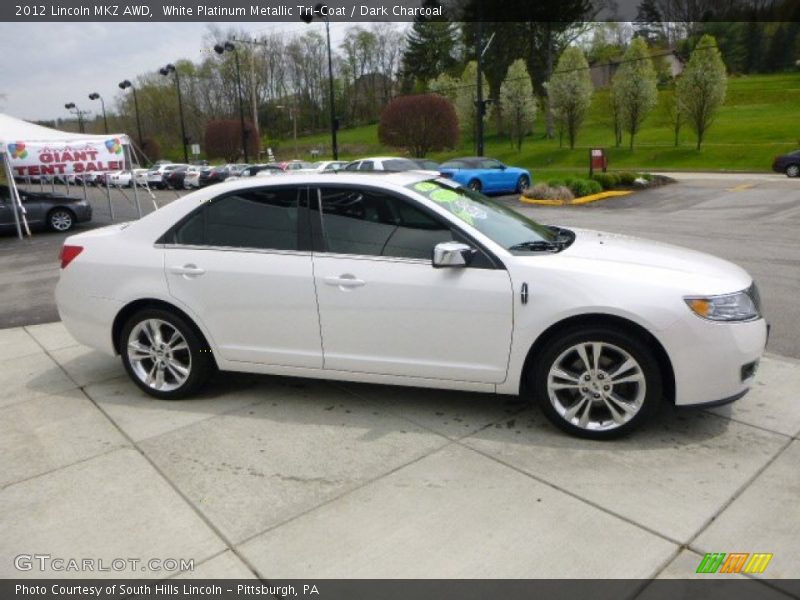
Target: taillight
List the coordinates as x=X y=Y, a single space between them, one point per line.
x=68 y=254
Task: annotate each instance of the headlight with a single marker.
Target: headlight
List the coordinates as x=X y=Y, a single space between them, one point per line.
x=739 y=306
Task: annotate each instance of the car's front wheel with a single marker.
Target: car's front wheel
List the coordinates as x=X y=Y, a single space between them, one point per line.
x=475 y=185
x=523 y=183
x=60 y=219
x=597 y=383
x=164 y=355
x=793 y=171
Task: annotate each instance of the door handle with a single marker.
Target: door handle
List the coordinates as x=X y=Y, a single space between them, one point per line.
x=345 y=281
x=187 y=271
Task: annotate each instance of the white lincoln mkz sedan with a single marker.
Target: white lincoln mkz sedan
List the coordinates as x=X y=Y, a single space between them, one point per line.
x=411 y=280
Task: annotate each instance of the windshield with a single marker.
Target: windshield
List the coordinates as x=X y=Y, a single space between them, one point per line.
x=500 y=224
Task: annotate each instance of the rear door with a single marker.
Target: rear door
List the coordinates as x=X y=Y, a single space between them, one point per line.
x=242 y=265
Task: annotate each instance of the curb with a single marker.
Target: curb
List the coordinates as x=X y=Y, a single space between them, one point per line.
x=581 y=200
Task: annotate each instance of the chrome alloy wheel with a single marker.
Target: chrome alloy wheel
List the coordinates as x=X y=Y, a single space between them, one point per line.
x=159 y=355
x=596 y=386
x=61 y=220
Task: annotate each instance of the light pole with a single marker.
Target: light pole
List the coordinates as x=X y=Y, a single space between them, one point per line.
x=70 y=106
x=165 y=71
x=230 y=47
x=293 y=114
x=123 y=85
x=322 y=10
x=96 y=96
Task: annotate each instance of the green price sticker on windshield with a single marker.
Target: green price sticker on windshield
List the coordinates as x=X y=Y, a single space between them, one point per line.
x=441 y=195
x=426 y=186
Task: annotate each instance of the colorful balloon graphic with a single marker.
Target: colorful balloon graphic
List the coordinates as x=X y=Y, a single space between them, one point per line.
x=114 y=145
x=18 y=150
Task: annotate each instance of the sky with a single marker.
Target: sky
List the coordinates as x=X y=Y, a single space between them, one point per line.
x=46 y=65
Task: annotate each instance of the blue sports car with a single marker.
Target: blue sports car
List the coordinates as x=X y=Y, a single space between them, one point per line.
x=486 y=175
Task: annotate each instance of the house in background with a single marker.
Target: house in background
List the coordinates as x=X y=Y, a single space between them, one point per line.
x=603 y=73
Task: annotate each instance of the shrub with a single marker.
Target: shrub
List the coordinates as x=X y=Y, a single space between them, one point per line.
x=223 y=139
x=556 y=183
x=543 y=191
x=594 y=187
x=626 y=178
x=605 y=180
x=562 y=192
x=419 y=123
x=580 y=187
x=538 y=191
x=647 y=176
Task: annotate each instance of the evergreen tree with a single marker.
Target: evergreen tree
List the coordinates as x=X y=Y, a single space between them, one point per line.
x=430 y=48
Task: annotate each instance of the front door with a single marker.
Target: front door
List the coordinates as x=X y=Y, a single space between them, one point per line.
x=238 y=264
x=385 y=310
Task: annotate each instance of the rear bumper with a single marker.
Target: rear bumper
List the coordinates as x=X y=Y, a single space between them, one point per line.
x=87 y=318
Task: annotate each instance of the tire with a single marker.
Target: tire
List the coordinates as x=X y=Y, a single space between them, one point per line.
x=593 y=408
x=475 y=185
x=60 y=220
x=522 y=183
x=793 y=171
x=164 y=373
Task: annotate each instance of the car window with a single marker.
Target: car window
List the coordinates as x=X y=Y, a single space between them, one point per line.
x=373 y=223
x=264 y=219
x=366 y=165
x=353 y=166
x=398 y=164
x=491 y=164
x=453 y=164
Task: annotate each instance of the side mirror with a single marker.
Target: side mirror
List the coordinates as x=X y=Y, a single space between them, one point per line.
x=452 y=254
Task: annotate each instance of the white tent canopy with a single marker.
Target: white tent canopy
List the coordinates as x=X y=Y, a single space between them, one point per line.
x=13 y=130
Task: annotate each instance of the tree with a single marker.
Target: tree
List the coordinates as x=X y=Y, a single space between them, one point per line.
x=462 y=93
x=672 y=113
x=615 y=112
x=570 y=91
x=702 y=85
x=419 y=123
x=223 y=139
x=517 y=102
x=430 y=48
x=634 y=87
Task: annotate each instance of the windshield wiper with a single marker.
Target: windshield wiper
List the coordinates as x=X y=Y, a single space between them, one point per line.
x=539 y=246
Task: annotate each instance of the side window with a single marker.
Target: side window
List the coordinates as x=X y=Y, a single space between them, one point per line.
x=491 y=164
x=366 y=165
x=373 y=223
x=353 y=166
x=264 y=219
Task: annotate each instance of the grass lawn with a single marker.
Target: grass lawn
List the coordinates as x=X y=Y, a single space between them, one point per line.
x=760 y=118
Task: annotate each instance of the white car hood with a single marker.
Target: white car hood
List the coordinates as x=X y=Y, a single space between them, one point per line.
x=718 y=275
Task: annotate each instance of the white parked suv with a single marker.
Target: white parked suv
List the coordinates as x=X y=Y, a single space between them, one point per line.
x=411 y=280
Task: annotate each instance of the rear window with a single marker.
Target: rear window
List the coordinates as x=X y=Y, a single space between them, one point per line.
x=399 y=164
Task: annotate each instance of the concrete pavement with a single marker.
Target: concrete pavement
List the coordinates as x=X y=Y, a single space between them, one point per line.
x=275 y=478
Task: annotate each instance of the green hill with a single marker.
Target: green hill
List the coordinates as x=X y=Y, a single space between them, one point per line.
x=760 y=118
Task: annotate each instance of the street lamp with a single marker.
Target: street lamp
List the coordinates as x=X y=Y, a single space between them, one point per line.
x=322 y=10
x=96 y=96
x=165 y=71
x=123 y=85
x=70 y=106
x=230 y=47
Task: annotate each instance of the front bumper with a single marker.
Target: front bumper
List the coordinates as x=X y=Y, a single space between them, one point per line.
x=713 y=362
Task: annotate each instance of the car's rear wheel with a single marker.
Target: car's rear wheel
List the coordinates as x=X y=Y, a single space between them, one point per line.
x=597 y=383
x=476 y=185
x=793 y=171
x=60 y=219
x=523 y=183
x=164 y=355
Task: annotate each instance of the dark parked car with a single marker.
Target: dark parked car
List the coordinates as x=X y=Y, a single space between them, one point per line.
x=213 y=175
x=426 y=164
x=174 y=179
x=52 y=211
x=787 y=163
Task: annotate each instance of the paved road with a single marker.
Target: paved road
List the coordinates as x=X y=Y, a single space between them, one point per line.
x=753 y=220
